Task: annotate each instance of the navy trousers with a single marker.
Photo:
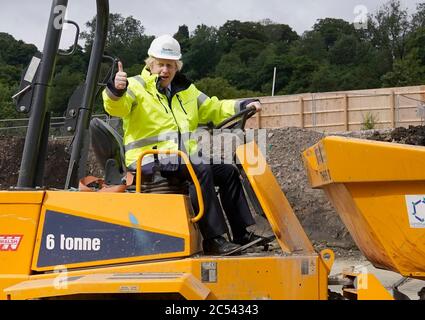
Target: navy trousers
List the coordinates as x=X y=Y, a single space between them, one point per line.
x=234 y=203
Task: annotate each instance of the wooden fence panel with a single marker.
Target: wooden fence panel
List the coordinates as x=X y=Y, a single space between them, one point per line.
x=343 y=111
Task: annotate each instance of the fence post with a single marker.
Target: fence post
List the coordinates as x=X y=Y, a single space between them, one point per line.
x=301 y=101
x=346 y=117
x=258 y=115
x=422 y=93
x=392 y=109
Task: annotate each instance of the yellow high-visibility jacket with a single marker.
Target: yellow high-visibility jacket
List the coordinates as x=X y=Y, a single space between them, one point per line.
x=151 y=120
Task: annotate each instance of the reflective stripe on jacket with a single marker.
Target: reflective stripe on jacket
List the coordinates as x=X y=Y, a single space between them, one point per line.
x=149 y=120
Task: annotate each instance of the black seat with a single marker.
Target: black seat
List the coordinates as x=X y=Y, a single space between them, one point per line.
x=108 y=147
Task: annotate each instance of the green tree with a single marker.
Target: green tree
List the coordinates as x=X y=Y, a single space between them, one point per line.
x=64 y=84
x=204 y=53
x=407 y=72
x=416 y=43
x=10 y=74
x=78 y=62
x=279 y=34
x=345 y=51
x=183 y=37
x=263 y=66
x=232 y=69
x=14 y=57
x=301 y=76
x=121 y=31
x=235 y=30
x=418 y=18
x=311 y=45
x=247 y=49
x=222 y=89
x=333 y=29
x=389 y=29
x=7 y=107
x=326 y=78
x=14 y=52
x=126 y=39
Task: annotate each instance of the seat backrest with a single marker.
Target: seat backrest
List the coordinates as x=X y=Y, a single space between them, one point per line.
x=108 y=147
x=107 y=144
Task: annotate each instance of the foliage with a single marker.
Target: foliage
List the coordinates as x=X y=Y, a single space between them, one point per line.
x=237 y=59
x=13 y=52
x=65 y=82
x=405 y=72
x=369 y=121
x=204 y=52
x=222 y=89
x=389 y=29
x=126 y=39
x=7 y=108
x=333 y=29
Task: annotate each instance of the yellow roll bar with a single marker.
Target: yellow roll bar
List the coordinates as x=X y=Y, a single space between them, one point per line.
x=191 y=172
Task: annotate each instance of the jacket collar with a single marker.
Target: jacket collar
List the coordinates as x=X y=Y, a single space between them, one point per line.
x=179 y=83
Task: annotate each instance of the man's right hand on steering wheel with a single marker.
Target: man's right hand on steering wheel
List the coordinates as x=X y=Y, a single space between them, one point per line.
x=248 y=109
x=256 y=104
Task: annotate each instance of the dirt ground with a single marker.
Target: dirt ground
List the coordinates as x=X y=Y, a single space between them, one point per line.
x=284 y=147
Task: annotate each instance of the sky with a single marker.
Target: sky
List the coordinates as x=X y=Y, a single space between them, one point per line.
x=27 y=19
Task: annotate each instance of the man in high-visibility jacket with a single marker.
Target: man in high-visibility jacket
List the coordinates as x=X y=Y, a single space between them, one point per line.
x=162 y=102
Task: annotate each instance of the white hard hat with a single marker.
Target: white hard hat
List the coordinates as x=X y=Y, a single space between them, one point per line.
x=165 y=47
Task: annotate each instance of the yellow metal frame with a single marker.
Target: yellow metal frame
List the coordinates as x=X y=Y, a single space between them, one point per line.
x=110 y=283
x=191 y=172
x=350 y=160
x=294 y=277
x=365 y=287
x=367 y=182
x=285 y=225
x=299 y=274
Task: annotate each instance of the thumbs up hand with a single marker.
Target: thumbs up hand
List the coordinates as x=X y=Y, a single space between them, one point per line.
x=120 y=78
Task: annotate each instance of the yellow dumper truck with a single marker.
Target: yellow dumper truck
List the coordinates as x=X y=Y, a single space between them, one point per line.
x=58 y=244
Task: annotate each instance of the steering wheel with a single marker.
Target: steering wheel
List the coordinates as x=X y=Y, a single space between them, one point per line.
x=238 y=120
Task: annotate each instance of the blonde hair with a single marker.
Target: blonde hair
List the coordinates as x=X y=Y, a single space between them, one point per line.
x=150 y=60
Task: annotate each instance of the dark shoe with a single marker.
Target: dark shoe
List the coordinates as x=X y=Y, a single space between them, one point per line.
x=247 y=238
x=218 y=246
